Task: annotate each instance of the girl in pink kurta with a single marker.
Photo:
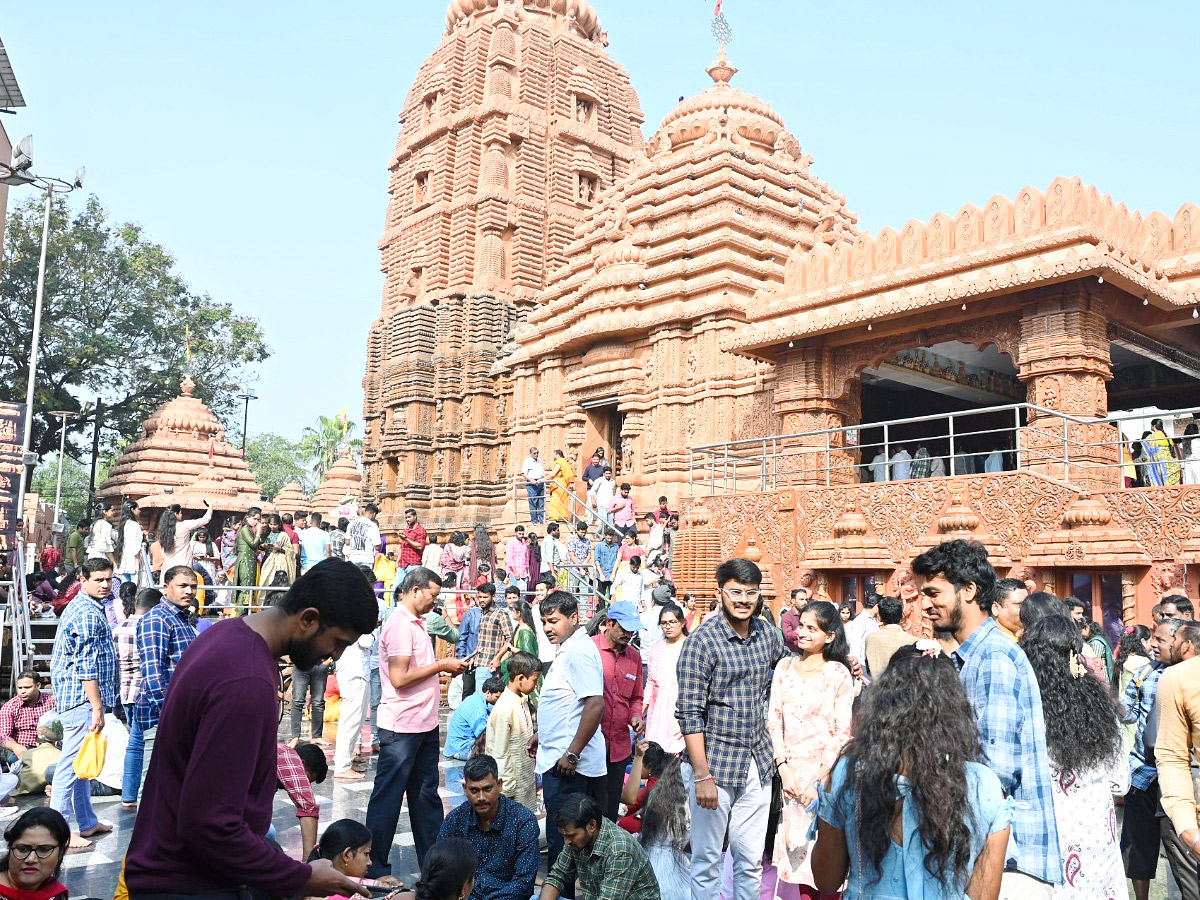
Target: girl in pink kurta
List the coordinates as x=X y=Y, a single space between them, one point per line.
x=812 y=696
x=662 y=686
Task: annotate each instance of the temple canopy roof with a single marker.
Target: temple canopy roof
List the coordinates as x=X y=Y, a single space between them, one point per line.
x=1070 y=231
x=342 y=483
x=579 y=13
x=183 y=446
x=292 y=499
x=720 y=195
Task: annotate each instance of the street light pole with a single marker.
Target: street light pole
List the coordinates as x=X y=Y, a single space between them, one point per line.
x=245 y=417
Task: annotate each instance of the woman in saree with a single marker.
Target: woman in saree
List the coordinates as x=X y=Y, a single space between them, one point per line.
x=280 y=554
x=562 y=479
x=1161 y=464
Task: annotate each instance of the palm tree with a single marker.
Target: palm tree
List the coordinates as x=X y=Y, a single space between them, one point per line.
x=321 y=444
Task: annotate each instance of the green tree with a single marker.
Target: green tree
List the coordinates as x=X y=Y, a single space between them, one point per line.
x=74 y=485
x=321 y=444
x=276 y=461
x=114 y=320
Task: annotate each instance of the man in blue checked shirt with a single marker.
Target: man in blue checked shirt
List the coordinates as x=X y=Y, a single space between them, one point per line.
x=957 y=586
x=83 y=672
x=162 y=636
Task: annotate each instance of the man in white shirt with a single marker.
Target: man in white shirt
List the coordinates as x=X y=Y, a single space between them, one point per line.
x=535 y=486
x=602 y=493
x=879 y=467
x=553 y=551
x=654 y=538
x=901 y=464
x=865 y=623
x=314 y=544
x=362 y=537
x=570 y=749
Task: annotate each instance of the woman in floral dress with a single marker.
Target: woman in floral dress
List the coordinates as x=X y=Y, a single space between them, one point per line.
x=1088 y=761
x=662 y=685
x=812 y=697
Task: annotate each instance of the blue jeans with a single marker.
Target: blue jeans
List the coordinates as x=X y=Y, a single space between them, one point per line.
x=537 y=503
x=137 y=751
x=71 y=793
x=408 y=767
x=482 y=674
x=376 y=695
x=304 y=680
x=555 y=788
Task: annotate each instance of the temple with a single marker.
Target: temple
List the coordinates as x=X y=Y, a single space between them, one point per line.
x=708 y=311
x=182 y=457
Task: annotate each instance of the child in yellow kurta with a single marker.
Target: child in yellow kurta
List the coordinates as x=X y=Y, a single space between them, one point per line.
x=510 y=727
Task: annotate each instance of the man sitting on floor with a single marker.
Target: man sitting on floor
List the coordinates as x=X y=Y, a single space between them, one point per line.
x=602 y=857
x=503 y=832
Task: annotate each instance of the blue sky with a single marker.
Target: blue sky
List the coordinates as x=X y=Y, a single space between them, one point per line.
x=251 y=139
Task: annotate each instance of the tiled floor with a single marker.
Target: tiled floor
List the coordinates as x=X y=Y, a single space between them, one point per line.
x=95 y=873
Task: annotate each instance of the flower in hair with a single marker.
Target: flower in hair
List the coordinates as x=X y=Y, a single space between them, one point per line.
x=929 y=648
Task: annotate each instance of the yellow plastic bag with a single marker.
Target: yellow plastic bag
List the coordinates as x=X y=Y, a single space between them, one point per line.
x=90 y=761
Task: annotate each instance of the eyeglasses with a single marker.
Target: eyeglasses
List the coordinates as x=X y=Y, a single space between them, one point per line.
x=752 y=596
x=42 y=851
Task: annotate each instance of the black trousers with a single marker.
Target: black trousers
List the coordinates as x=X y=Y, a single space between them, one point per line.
x=614 y=782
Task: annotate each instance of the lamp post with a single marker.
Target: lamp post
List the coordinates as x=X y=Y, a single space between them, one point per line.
x=64 y=415
x=19 y=172
x=245 y=417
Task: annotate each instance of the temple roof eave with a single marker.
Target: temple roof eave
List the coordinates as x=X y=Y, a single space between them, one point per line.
x=965 y=277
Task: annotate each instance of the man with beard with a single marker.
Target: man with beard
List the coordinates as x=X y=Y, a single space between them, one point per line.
x=957 y=587
x=211 y=786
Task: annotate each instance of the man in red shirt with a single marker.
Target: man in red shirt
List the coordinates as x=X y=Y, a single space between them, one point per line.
x=50 y=558
x=623 y=691
x=412 y=544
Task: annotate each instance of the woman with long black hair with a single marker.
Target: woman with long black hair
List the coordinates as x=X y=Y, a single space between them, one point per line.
x=175 y=535
x=812 y=700
x=1088 y=761
x=127 y=543
x=911 y=811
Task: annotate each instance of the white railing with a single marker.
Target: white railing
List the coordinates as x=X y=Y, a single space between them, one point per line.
x=1017 y=437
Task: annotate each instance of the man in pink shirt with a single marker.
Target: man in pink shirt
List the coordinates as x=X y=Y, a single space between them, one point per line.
x=516 y=558
x=622 y=512
x=409 y=746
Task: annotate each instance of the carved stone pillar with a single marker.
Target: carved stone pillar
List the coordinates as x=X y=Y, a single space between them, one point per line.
x=809 y=404
x=1065 y=364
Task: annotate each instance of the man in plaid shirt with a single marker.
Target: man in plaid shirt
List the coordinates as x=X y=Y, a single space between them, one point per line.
x=162 y=635
x=19 y=716
x=724 y=678
x=495 y=632
x=83 y=673
x=958 y=584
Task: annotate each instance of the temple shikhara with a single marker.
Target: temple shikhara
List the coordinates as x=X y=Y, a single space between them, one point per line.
x=706 y=309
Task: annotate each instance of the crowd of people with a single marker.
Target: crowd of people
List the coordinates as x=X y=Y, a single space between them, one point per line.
x=672 y=750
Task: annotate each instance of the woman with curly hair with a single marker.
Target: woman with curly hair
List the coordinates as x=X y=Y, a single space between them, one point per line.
x=812 y=700
x=1133 y=655
x=911 y=811
x=1088 y=762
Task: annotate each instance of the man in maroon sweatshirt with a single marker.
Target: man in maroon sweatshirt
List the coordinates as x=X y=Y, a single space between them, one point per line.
x=212 y=780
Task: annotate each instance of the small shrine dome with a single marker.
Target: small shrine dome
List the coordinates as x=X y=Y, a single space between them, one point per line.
x=292 y=499
x=182 y=446
x=342 y=483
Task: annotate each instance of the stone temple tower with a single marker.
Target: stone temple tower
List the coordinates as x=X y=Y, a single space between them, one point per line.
x=514 y=124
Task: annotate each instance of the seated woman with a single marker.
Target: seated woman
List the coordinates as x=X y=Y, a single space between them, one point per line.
x=347 y=845
x=37 y=842
x=648 y=760
x=910 y=811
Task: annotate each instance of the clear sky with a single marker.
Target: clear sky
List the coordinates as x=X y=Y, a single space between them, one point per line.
x=252 y=138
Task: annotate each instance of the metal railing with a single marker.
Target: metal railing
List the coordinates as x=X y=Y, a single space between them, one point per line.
x=578 y=509
x=1095 y=453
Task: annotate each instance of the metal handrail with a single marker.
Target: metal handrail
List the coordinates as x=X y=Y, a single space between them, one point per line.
x=1033 y=430
x=578 y=507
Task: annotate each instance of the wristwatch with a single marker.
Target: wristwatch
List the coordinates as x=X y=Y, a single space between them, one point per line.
x=572 y=758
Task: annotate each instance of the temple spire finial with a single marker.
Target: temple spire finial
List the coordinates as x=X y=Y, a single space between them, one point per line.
x=720 y=28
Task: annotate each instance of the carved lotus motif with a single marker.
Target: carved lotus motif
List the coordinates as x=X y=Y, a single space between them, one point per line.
x=1086 y=512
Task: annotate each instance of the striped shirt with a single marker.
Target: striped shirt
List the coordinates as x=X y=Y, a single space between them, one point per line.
x=83 y=651
x=162 y=636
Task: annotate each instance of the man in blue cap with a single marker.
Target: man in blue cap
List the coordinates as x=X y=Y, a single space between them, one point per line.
x=623 y=691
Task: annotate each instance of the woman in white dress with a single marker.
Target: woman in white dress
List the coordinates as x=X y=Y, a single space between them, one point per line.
x=1088 y=761
x=1191 y=454
x=662 y=685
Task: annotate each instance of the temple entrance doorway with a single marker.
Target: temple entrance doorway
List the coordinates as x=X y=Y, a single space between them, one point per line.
x=604 y=424
x=946 y=387
x=1100 y=592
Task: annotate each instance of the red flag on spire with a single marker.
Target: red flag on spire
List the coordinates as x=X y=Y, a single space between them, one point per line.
x=212 y=448
x=717 y=11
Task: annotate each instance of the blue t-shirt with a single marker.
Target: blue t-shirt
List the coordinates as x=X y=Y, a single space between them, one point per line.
x=466 y=724
x=606 y=558
x=313 y=542
x=991 y=812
